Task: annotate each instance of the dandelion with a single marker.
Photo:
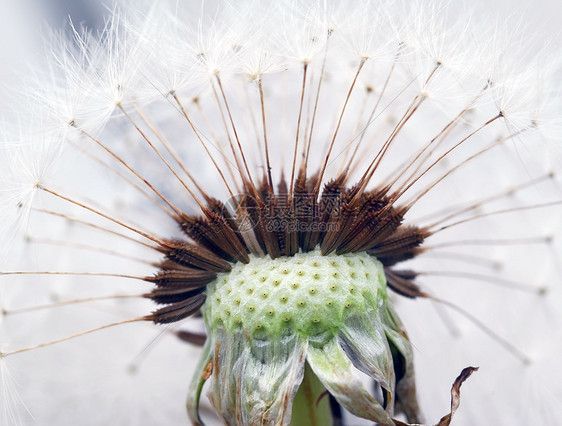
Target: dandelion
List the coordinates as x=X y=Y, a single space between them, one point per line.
x=330 y=201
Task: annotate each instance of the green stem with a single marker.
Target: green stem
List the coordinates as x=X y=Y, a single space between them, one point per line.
x=307 y=410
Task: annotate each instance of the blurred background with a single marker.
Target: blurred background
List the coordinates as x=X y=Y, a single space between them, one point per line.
x=56 y=12
x=22 y=22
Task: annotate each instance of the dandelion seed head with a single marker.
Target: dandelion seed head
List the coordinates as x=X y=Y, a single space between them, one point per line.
x=125 y=141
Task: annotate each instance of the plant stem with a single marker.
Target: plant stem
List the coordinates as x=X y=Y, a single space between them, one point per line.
x=307 y=409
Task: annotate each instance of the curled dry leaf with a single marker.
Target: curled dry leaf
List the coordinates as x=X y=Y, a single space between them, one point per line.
x=455 y=398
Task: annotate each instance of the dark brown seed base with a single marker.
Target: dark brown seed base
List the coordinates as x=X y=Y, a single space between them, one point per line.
x=264 y=222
